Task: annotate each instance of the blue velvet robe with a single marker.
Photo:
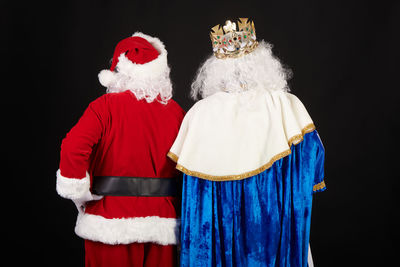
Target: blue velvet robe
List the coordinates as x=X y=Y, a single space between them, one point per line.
x=263 y=220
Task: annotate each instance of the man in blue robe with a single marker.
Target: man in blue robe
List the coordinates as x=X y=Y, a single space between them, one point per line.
x=251 y=159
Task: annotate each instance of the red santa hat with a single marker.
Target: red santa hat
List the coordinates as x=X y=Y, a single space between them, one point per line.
x=137 y=56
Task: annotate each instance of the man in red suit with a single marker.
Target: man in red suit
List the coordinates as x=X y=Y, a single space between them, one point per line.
x=114 y=163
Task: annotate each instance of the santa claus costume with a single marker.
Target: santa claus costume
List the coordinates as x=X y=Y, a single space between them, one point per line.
x=114 y=166
x=251 y=159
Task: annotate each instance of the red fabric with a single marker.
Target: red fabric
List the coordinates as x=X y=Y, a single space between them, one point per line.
x=121 y=136
x=133 y=255
x=136 y=49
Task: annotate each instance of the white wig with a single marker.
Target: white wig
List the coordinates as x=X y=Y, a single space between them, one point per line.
x=258 y=70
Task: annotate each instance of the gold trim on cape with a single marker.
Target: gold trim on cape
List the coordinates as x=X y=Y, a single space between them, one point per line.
x=173 y=156
x=296 y=139
x=319 y=186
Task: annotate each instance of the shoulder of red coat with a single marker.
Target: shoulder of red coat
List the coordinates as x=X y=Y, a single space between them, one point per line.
x=103 y=101
x=100 y=101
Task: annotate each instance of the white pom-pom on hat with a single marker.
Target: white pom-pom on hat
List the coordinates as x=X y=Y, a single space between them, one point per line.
x=106 y=77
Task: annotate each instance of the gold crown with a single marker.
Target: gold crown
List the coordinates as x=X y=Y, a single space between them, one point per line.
x=228 y=42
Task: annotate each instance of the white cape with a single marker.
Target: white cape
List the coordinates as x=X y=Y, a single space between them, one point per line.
x=232 y=136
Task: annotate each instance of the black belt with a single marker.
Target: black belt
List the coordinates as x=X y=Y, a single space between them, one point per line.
x=134 y=186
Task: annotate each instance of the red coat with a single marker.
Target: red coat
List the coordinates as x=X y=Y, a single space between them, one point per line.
x=121 y=136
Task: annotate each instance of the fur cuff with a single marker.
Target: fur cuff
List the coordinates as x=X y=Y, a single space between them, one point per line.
x=72 y=188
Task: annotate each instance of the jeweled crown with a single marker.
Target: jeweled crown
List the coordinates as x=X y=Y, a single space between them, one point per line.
x=228 y=42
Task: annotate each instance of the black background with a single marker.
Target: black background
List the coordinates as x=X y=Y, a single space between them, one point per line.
x=344 y=56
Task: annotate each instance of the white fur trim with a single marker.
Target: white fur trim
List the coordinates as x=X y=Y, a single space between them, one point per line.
x=153 y=68
x=72 y=188
x=154 y=229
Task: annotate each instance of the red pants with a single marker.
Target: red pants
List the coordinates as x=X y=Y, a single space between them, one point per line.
x=132 y=255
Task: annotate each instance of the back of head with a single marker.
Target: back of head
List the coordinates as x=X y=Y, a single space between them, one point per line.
x=252 y=67
x=140 y=65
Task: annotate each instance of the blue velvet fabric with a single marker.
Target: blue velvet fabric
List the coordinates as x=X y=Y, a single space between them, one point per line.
x=263 y=220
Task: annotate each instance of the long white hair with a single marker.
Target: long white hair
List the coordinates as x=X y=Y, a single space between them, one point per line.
x=258 y=70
